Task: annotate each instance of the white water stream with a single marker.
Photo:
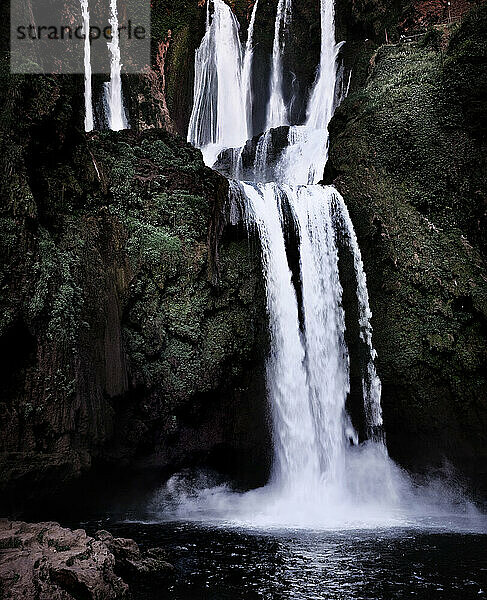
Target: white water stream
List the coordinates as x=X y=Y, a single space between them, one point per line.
x=116 y=113
x=87 y=66
x=219 y=116
x=277 y=111
x=321 y=475
x=247 y=71
x=113 y=105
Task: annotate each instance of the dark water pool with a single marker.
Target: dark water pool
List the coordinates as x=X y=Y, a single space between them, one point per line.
x=228 y=563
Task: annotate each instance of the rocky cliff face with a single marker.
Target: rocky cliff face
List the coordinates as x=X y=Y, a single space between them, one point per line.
x=131 y=317
x=132 y=327
x=408 y=153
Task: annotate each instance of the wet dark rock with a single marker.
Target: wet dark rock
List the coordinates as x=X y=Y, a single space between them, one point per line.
x=277 y=142
x=131 y=563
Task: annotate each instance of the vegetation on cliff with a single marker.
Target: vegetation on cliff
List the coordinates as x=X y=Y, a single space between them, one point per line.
x=124 y=311
x=132 y=320
x=408 y=153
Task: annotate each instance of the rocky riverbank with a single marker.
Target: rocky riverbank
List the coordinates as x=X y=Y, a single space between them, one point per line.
x=45 y=561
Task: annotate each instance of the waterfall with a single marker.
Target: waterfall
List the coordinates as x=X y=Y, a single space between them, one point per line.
x=219 y=116
x=247 y=71
x=112 y=99
x=277 y=113
x=261 y=153
x=318 y=462
x=370 y=382
x=107 y=107
x=87 y=66
x=324 y=326
x=320 y=109
x=308 y=369
x=307 y=151
x=202 y=124
x=295 y=440
x=116 y=113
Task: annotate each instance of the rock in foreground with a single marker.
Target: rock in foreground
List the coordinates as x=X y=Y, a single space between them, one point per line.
x=48 y=562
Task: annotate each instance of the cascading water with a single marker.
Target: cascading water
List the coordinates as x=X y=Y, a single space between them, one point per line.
x=87 y=65
x=295 y=439
x=324 y=326
x=219 y=116
x=308 y=370
x=320 y=109
x=113 y=90
x=107 y=110
x=277 y=112
x=247 y=71
x=112 y=99
x=315 y=465
x=371 y=383
x=321 y=475
x=306 y=154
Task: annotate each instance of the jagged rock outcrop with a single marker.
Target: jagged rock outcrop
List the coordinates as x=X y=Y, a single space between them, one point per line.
x=408 y=154
x=181 y=23
x=44 y=561
x=133 y=564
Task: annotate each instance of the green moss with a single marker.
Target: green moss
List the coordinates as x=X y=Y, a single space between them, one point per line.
x=414 y=178
x=56 y=292
x=102 y=237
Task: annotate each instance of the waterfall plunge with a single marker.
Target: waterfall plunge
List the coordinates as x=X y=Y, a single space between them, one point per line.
x=307 y=371
x=320 y=109
x=321 y=476
x=311 y=459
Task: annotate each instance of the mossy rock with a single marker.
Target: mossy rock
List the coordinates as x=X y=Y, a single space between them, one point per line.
x=413 y=174
x=122 y=307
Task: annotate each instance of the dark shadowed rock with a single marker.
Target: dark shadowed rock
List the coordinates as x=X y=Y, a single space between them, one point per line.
x=133 y=321
x=270 y=145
